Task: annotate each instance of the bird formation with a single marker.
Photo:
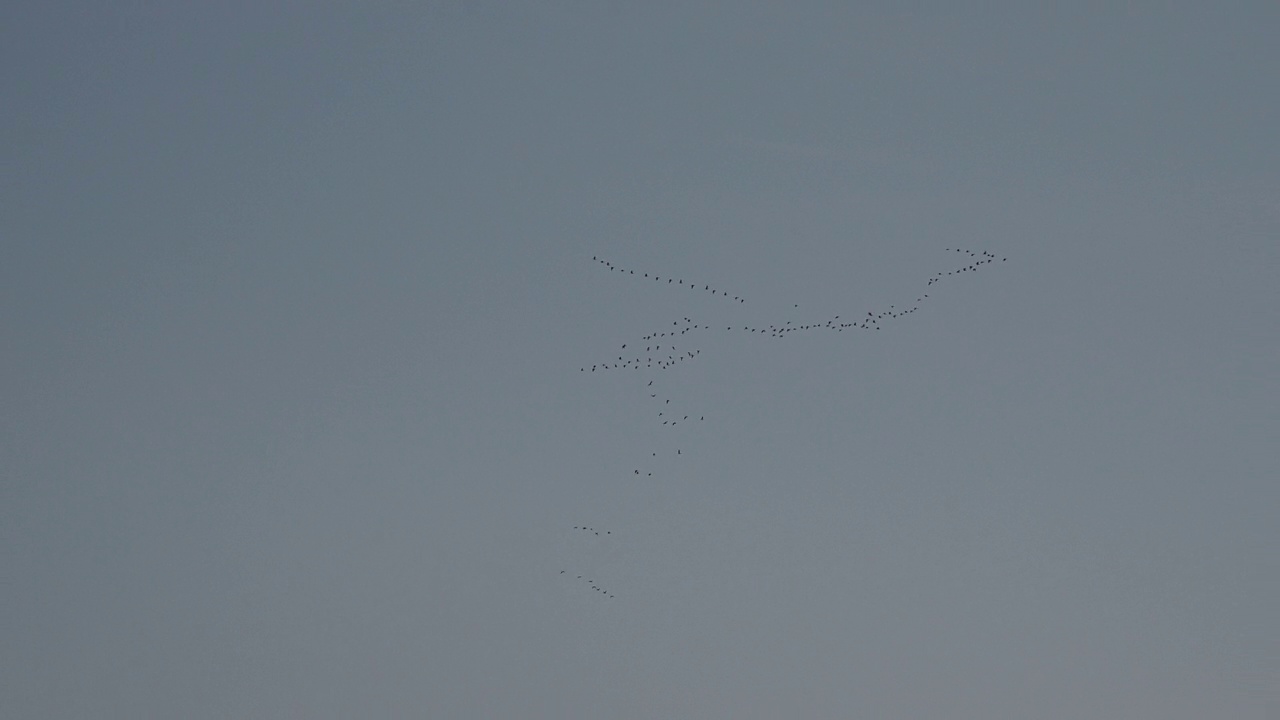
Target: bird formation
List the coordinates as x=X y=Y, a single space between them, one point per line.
x=873 y=320
x=983 y=258
x=584 y=528
x=661 y=352
x=678 y=282
x=593 y=585
x=596 y=535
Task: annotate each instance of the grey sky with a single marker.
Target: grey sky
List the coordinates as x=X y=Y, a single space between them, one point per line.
x=294 y=297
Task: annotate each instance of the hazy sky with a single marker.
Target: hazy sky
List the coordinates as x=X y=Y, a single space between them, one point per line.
x=294 y=297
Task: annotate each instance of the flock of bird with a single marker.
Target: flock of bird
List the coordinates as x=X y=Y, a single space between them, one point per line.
x=593 y=585
x=679 y=282
x=658 y=349
x=985 y=258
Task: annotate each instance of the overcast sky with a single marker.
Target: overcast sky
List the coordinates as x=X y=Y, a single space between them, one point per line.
x=295 y=297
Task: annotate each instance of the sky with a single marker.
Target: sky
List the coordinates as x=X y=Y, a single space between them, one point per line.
x=295 y=301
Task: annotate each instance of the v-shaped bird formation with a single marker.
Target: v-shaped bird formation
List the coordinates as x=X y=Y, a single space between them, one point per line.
x=669 y=347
